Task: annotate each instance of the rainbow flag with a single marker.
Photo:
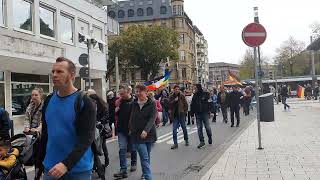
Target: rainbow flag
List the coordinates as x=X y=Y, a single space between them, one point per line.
x=158 y=82
x=232 y=80
x=300 y=91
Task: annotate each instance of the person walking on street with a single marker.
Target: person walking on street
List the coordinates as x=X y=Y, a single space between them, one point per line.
x=159 y=107
x=200 y=106
x=214 y=105
x=234 y=101
x=67 y=135
x=32 y=122
x=123 y=112
x=222 y=101
x=178 y=107
x=247 y=100
x=189 y=96
x=111 y=100
x=103 y=120
x=143 y=128
x=284 y=96
x=5 y=125
x=164 y=100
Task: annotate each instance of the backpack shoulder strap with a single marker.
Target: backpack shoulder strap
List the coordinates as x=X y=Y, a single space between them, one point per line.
x=77 y=103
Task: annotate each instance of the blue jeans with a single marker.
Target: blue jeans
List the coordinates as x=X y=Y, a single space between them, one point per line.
x=179 y=121
x=124 y=141
x=203 y=119
x=165 y=116
x=144 y=151
x=86 y=175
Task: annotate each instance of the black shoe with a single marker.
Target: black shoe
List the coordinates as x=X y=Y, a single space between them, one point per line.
x=187 y=143
x=133 y=168
x=175 y=146
x=210 y=140
x=106 y=162
x=201 y=145
x=121 y=175
x=232 y=125
x=188 y=124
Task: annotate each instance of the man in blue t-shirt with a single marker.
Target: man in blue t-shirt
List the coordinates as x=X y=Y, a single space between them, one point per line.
x=67 y=136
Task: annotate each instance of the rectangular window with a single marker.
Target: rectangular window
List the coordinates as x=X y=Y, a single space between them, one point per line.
x=1 y=76
x=66 y=29
x=184 y=72
x=124 y=76
x=174 y=10
x=22 y=14
x=97 y=34
x=2 y=12
x=181 y=38
x=182 y=56
x=47 y=21
x=179 y=10
x=83 y=27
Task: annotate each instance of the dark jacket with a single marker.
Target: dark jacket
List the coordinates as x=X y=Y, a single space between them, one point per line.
x=179 y=107
x=284 y=92
x=124 y=115
x=112 y=107
x=4 y=124
x=143 y=120
x=85 y=128
x=234 y=99
x=201 y=102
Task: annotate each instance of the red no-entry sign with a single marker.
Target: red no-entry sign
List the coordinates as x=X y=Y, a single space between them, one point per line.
x=254 y=34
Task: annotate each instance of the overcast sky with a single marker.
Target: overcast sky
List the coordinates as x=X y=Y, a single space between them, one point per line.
x=222 y=22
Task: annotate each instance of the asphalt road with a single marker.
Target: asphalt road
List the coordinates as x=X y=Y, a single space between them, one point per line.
x=185 y=161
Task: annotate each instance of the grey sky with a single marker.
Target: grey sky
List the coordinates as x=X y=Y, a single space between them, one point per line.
x=222 y=23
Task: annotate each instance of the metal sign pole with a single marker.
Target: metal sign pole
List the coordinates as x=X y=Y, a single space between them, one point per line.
x=258 y=78
x=89 y=71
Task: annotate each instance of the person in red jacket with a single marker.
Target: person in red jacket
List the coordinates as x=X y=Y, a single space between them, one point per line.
x=159 y=107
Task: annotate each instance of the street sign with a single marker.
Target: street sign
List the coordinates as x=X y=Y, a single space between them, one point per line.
x=84 y=72
x=83 y=59
x=254 y=34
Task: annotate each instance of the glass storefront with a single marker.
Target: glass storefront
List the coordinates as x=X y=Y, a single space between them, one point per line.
x=22 y=86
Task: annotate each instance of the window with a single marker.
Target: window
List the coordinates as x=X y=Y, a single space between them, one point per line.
x=150 y=2
x=149 y=11
x=121 y=14
x=174 y=9
x=163 y=10
x=97 y=34
x=181 y=23
x=21 y=87
x=124 y=76
x=184 y=72
x=112 y=14
x=140 y=12
x=133 y=75
x=22 y=14
x=180 y=10
x=130 y=13
x=181 y=39
x=83 y=27
x=66 y=29
x=2 y=12
x=47 y=21
x=182 y=56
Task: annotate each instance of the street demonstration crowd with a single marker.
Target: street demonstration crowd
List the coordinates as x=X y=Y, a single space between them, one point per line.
x=65 y=133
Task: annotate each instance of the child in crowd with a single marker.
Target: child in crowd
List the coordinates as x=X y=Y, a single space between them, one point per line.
x=8 y=158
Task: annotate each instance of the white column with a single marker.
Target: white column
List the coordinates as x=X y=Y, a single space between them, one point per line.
x=104 y=88
x=50 y=84
x=10 y=19
x=7 y=90
x=36 y=22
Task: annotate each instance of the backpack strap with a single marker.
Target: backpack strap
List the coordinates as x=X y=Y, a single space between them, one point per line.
x=77 y=103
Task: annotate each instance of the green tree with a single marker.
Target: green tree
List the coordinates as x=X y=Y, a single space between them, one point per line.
x=145 y=47
x=247 y=65
x=290 y=58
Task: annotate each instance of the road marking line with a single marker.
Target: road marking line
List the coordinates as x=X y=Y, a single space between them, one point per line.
x=180 y=137
x=167 y=138
x=168 y=134
x=112 y=140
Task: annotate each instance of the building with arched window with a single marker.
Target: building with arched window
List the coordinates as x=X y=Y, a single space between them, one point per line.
x=167 y=14
x=121 y=14
x=130 y=13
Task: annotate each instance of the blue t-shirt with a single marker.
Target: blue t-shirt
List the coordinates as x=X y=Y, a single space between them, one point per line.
x=62 y=137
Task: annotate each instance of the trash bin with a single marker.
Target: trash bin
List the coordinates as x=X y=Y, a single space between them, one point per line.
x=266 y=107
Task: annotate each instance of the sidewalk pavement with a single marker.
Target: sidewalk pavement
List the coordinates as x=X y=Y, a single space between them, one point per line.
x=291 y=149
